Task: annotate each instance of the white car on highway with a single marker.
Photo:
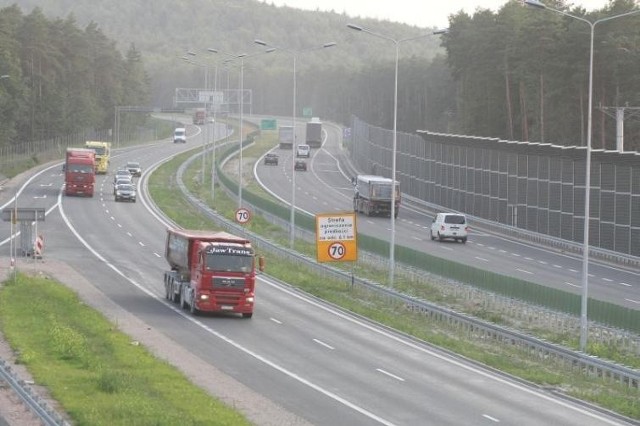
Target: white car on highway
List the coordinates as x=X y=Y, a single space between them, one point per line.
x=449 y=225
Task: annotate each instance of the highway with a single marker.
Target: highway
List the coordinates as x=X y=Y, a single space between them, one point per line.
x=318 y=362
x=326 y=188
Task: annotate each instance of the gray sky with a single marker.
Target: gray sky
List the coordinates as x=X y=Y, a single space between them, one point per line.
x=422 y=13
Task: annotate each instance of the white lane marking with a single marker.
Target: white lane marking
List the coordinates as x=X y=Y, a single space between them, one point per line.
x=625 y=284
x=141 y=243
x=502 y=251
x=446 y=248
x=482 y=258
x=633 y=301
x=573 y=270
x=156 y=254
x=129 y=234
x=417 y=238
x=480 y=244
x=112 y=218
x=515 y=254
x=542 y=262
x=390 y=375
x=221 y=336
x=320 y=342
x=525 y=271
x=528 y=258
x=607 y=280
x=491 y=248
x=276 y=321
x=557 y=266
x=571 y=284
x=493 y=419
x=119 y=226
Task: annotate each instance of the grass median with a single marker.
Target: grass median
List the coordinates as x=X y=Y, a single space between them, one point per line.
x=100 y=378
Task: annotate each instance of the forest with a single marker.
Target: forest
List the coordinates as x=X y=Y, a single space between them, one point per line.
x=520 y=73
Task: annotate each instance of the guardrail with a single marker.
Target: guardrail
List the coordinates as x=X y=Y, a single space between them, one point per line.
x=574 y=360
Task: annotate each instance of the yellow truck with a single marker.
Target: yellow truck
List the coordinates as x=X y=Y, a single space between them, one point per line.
x=103 y=155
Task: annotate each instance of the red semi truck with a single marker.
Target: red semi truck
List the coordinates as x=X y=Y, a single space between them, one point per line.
x=210 y=271
x=79 y=171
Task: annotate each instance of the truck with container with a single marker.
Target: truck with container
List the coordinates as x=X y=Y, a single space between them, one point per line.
x=210 y=271
x=80 y=171
x=199 y=116
x=285 y=137
x=314 y=133
x=103 y=155
x=373 y=195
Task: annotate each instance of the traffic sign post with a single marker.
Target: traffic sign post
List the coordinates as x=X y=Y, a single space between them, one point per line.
x=336 y=239
x=243 y=215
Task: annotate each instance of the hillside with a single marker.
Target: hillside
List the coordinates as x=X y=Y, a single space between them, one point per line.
x=164 y=30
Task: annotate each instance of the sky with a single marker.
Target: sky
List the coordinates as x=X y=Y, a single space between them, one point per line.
x=421 y=13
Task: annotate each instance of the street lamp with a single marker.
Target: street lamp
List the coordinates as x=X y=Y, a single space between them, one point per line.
x=242 y=57
x=397 y=43
x=584 y=327
x=294 y=54
x=13 y=243
x=206 y=87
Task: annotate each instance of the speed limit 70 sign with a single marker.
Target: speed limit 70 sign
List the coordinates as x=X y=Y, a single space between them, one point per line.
x=336 y=237
x=243 y=215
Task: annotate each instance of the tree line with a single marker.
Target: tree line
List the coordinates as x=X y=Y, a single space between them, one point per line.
x=60 y=79
x=519 y=73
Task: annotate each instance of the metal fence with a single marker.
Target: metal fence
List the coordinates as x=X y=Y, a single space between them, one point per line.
x=532 y=186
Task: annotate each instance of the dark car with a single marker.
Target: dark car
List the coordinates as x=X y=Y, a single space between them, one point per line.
x=271 y=159
x=126 y=192
x=300 y=165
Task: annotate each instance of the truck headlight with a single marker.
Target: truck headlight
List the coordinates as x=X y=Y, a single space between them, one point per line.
x=249 y=299
x=204 y=297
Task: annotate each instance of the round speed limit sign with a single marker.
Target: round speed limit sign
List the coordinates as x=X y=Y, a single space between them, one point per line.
x=243 y=215
x=337 y=251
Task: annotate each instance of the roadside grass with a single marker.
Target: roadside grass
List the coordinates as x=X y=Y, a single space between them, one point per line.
x=81 y=357
x=511 y=360
x=96 y=373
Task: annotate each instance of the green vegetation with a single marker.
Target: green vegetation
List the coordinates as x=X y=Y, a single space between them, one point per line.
x=93 y=370
x=89 y=366
x=544 y=372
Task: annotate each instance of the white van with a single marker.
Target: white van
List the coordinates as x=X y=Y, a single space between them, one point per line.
x=449 y=225
x=303 y=151
x=180 y=135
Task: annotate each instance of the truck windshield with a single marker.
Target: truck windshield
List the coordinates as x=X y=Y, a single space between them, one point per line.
x=80 y=168
x=229 y=263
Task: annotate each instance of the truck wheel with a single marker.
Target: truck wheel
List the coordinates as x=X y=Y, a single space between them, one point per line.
x=247 y=315
x=183 y=303
x=192 y=308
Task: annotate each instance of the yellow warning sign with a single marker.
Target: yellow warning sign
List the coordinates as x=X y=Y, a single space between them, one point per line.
x=336 y=237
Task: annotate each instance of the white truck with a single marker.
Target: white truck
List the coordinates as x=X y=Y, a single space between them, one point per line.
x=373 y=195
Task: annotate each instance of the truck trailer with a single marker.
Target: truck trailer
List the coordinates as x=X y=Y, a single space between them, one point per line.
x=210 y=271
x=79 y=171
x=314 y=133
x=373 y=195
x=199 y=116
x=103 y=155
x=285 y=137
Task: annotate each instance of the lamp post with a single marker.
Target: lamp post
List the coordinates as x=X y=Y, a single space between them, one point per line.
x=213 y=142
x=13 y=243
x=206 y=86
x=584 y=326
x=294 y=54
x=242 y=57
x=397 y=43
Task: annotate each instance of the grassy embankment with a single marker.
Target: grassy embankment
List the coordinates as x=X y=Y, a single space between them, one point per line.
x=162 y=186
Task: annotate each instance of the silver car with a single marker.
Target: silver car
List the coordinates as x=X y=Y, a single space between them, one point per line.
x=126 y=192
